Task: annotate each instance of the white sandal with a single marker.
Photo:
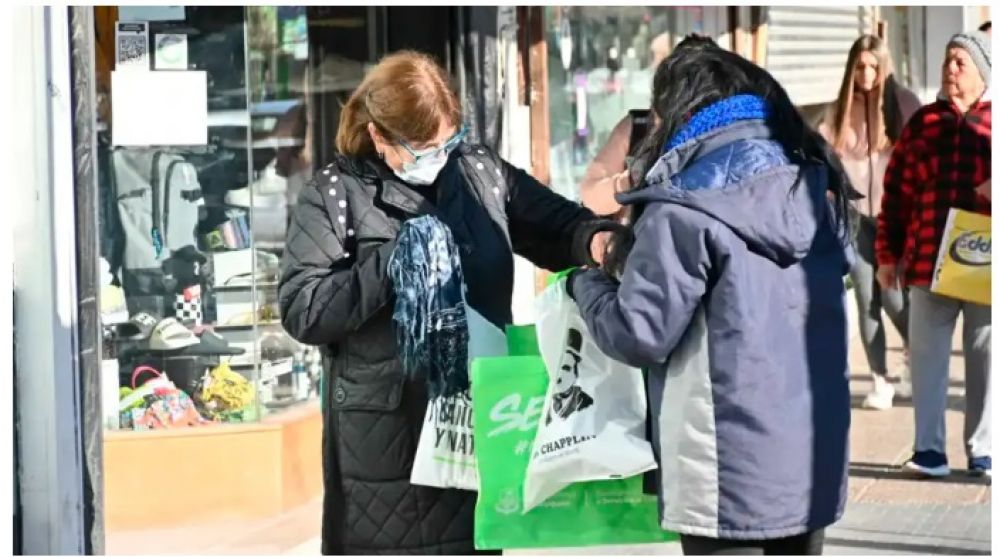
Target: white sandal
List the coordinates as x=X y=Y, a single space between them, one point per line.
x=171 y=335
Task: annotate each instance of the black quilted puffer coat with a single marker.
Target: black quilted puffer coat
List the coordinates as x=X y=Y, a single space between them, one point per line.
x=335 y=293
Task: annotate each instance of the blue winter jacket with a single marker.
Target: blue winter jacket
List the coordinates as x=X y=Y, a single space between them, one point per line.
x=733 y=299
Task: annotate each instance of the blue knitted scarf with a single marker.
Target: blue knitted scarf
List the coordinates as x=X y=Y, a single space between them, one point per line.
x=720 y=114
x=429 y=316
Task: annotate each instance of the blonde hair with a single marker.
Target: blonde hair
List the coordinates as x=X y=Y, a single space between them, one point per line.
x=842 y=108
x=406 y=96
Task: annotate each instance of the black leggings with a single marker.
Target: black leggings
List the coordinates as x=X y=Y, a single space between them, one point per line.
x=810 y=543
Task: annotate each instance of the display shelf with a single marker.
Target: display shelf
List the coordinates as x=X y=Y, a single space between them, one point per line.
x=245 y=287
x=234 y=118
x=226 y=328
x=278 y=247
x=269 y=369
x=265 y=143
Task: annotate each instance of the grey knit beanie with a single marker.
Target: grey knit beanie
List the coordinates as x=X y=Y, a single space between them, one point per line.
x=977 y=44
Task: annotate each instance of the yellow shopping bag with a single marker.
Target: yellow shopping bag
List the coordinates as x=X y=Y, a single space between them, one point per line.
x=963 y=263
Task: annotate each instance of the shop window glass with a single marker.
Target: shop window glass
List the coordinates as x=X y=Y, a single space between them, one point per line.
x=601 y=65
x=191 y=235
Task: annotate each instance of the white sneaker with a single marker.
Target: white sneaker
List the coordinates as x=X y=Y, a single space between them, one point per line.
x=880 y=397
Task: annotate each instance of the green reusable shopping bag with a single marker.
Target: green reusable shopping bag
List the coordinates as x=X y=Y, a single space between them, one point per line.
x=508 y=396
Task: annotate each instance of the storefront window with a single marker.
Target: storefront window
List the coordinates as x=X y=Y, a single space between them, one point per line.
x=601 y=65
x=204 y=146
x=196 y=194
x=211 y=121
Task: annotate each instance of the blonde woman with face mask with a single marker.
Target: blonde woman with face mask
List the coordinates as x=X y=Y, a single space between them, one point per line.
x=402 y=155
x=862 y=125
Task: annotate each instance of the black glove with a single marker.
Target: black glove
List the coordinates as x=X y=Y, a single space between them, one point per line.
x=586 y=233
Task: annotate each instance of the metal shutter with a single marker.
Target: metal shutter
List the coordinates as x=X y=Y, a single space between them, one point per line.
x=807 y=48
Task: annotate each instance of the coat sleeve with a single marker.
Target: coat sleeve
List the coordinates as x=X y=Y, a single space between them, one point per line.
x=326 y=293
x=545 y=227
x=906 y=167
x=641 y=320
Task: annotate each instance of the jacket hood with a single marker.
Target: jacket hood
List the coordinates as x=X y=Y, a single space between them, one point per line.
x=741 y=176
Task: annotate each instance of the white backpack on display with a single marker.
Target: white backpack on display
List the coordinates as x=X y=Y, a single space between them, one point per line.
x=159 y=196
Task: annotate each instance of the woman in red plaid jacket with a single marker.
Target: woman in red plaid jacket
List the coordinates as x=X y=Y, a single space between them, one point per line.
x=941 y=161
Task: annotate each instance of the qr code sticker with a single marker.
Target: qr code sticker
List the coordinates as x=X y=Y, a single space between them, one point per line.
x=132 y=42
x=131 y=49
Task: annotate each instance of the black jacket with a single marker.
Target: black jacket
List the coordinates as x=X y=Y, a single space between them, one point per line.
x=335 y=293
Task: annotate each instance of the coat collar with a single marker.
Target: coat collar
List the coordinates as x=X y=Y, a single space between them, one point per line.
x=390 y=189
x=675 y=160
x=987 y=97
x=399 y=195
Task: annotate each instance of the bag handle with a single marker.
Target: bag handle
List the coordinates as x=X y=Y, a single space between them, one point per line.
x=141 y=369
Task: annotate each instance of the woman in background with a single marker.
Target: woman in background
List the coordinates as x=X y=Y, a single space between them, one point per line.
x=861 y=126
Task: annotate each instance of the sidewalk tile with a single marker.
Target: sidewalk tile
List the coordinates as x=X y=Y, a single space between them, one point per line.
x=914 y=492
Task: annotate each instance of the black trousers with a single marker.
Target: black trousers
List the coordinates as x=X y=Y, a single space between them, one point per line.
x=810 y=543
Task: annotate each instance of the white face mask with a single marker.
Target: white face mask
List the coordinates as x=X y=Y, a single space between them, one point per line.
x=427 y=164
x=424 y=171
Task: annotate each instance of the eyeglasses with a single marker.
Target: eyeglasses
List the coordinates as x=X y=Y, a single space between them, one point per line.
x=446 y=148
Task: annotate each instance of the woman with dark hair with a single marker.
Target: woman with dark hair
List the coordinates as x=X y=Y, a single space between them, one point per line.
x=728 y=288
x=861 y=125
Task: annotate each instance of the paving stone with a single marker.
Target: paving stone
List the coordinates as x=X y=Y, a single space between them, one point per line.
x=955 y=490
x=857 y=487
x=907 y=529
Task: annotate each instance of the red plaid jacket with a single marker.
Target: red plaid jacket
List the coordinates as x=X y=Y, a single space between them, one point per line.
x=940 y=158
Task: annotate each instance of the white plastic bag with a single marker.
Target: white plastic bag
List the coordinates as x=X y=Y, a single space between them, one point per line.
x=445 y=455
x=593 y=424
